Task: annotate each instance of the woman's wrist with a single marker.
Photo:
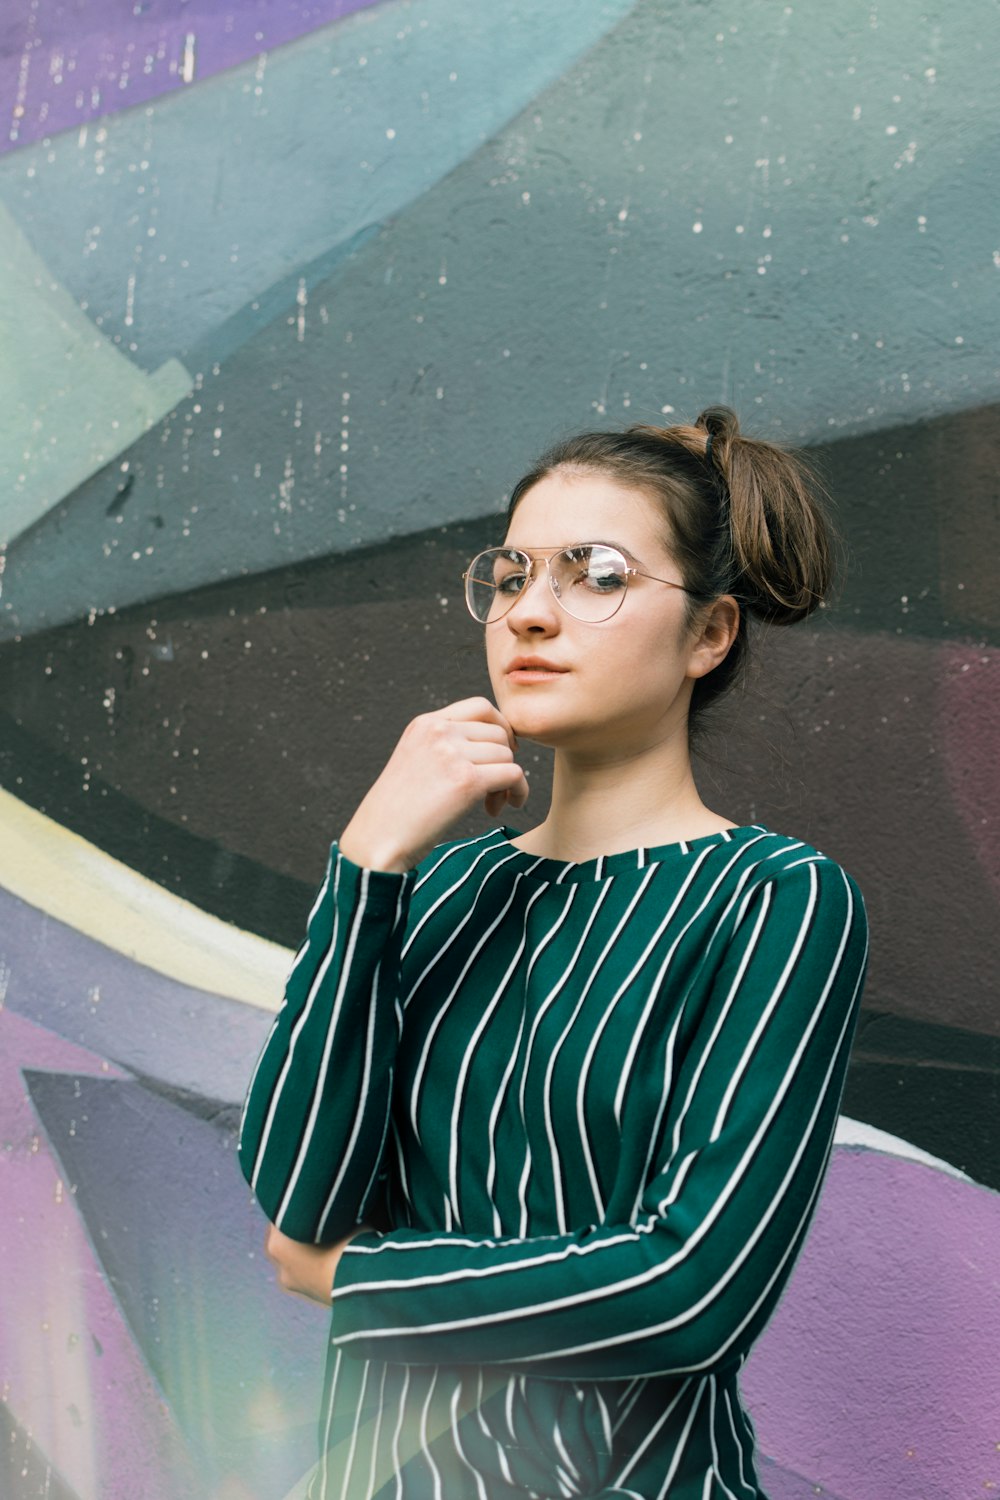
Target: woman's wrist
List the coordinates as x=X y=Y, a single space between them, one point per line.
x=307 y=1270
x=371 y=850
x=384 y=860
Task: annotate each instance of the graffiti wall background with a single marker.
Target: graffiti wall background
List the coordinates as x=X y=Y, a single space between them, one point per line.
x=289 y=297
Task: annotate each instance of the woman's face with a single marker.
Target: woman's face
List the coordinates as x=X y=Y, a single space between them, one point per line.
x=619 y=686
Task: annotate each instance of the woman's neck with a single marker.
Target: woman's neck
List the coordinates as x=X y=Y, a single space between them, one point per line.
x=607 y=806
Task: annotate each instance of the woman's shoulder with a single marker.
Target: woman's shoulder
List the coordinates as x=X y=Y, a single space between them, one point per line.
x=786 y=851
x=793 y=866
x=456 y=855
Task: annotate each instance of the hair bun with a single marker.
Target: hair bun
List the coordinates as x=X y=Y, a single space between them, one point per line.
x=782 y=539
x=720 y=422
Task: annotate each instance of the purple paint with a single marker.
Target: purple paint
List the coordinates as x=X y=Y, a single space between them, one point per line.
x=62 y=65
x=178 y=1240
x=878 y=1374
x=781 y=1484
x=71 y=1374
x=210 y=1051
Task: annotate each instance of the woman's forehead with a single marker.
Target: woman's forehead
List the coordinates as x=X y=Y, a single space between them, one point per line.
x=586 y=506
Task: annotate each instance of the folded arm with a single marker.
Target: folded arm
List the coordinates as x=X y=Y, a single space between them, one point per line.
x=691 y=1279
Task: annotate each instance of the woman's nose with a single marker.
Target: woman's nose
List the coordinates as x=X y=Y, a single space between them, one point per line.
x=535 y=606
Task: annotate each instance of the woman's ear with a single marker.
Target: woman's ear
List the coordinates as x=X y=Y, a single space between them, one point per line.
x=714 y=633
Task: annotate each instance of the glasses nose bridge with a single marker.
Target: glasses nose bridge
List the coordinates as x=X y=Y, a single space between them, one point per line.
x=531 y=574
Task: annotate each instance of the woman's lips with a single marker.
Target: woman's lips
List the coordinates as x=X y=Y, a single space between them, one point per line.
x=534 y=671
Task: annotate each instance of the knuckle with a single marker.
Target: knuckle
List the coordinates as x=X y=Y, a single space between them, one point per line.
x=468 y=778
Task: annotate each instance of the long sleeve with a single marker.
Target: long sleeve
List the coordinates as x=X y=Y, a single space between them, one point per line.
x=685 y=1277
x=316 y=1114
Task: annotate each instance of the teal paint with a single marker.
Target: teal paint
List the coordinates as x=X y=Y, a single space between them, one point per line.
x=209 y=197
x=70 y=401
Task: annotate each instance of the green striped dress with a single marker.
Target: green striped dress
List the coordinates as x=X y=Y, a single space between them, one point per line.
x=586 y=1108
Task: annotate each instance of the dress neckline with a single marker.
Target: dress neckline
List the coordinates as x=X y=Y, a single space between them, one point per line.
x=565 y=872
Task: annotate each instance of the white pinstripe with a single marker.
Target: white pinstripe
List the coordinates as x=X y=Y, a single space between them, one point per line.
x=522 y=1191
x=678 y=1453
x=654 y=1273
x=660 y=1422
x=317 y=1098
x=296 y=1032
x=481 y=1026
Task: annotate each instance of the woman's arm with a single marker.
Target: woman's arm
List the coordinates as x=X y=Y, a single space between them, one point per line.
x=306 y=1270
x=317 y=1109
x=316 y=1115
x=741 y=1151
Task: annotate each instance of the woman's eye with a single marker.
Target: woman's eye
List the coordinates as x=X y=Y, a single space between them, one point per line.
x=592 y=568
x=511 y=583
x=602 y=583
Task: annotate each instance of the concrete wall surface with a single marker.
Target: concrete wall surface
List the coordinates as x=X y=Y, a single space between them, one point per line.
x=290 y=295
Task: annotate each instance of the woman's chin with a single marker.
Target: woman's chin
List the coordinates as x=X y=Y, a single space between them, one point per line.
x=539 y=728
x=533 y=719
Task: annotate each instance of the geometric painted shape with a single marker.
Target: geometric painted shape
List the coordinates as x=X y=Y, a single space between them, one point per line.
x=969 y=711
x=867 y=720
x=70 y=402
x=201 y=1046
x=779 y=1483
x=25 y=1473
x=71 y=1374
x=948 y=1112
x=180 y=1244
x=218 y=878
x=69 y=66
x=878 y=1373
x=564 y=273
x=855 y=1133
x=55 y=870
x=168 y=220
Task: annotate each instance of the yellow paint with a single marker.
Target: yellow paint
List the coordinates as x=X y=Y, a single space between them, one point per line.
x=61 y=874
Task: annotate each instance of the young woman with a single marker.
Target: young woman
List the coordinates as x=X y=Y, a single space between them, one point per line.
x=547 y=1113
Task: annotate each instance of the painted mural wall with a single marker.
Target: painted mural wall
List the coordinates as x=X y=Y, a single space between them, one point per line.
x=289 y=297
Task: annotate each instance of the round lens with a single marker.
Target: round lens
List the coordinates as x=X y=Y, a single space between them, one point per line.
x=494 y=581
x=590 y=580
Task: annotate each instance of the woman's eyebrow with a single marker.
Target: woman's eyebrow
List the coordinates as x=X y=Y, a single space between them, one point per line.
x=617 y=546
x=588 y=542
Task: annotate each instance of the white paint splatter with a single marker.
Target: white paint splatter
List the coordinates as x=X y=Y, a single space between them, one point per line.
x=189 y=59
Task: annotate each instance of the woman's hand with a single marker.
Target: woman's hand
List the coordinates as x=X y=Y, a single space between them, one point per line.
x=307 y=1270
x=444 y=764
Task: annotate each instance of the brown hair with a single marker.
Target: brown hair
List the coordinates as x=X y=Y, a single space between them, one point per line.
x=745 y=517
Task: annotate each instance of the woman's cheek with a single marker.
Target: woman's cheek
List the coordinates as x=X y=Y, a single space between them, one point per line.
x=497 y=681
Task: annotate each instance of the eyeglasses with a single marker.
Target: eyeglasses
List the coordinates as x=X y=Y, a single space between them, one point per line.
x=589 y=581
